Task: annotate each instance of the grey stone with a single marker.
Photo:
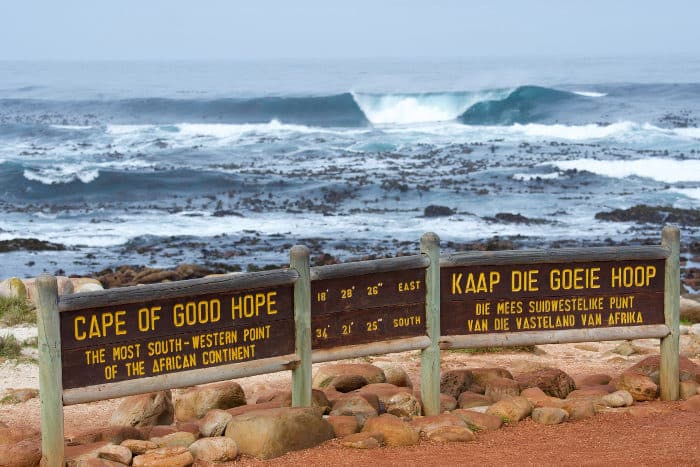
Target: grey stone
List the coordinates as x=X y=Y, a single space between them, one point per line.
x=193 y=403
x=396 y=432
x=620 y=398
x=549 y=415
x=511 y=410
x=269 y=433
x=155 y=408
x=214 y=422
x=217 y=449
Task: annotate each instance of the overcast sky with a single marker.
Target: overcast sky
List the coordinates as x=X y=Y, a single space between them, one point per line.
x=266 y=29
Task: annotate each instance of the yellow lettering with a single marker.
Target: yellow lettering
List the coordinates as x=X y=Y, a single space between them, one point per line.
x=271 y=302
x=79 y=334
x=456 y=283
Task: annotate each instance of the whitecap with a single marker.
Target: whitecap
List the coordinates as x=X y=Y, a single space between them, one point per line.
x=575 y=132
x=62 y=174
x=120 y=130
x=419 y=108
x=590 y=93
x=72 y=127
x=656 y=168
x=689 y=192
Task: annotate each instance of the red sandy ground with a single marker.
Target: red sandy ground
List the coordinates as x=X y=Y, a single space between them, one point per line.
x=670 y=437
x=662 y=435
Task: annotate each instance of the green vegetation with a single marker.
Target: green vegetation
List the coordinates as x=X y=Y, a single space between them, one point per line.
x=8 y=400
x=10 y=347
x=473 y=427
x=15 y=311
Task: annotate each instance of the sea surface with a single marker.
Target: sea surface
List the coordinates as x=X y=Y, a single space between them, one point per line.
x=230 y=163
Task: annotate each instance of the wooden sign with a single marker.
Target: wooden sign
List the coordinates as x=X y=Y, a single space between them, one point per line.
x=150 y=338
x=367 y=308
x=481 y=299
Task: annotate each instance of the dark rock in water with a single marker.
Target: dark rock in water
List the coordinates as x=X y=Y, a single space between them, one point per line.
x=435 y=210
x=683 y=119
x=644 y=214
x=226 y=213
x=29 y=244
x=694 y=247
x=132 y=275
x=324 y=259
x=498 y=244
x=510 y=218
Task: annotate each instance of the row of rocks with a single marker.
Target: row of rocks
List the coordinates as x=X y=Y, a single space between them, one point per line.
x=15 y=287
x=364 y=406
x=123 y=276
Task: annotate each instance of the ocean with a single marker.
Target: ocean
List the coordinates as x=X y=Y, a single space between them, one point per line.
x=228 y=164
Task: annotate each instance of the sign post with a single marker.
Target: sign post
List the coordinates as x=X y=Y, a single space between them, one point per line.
x=430 y=356
x=670 y=364
x=301 y=375
x=50 y=371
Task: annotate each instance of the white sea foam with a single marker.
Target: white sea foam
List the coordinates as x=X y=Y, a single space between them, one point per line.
x=72 y=127
x=660 y=169
x=689 y=192
x=61 y=174
x=590 y=93
x=228 y=130
x=85 y=172
x=128 y=129
x=418 y=108
x=688 y=132
x=575 y=132
x=523 y=177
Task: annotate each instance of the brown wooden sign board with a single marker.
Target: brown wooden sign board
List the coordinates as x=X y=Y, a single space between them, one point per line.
x=486 y=299
x=151 y=338
x=367 y=308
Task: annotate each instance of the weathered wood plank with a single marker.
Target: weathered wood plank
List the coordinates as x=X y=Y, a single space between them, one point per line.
x=430 y=356
x=670 y=357
x=336 y=271
x=495 y=258
x=301 y=375
x=367 y=325
x=50 y=372
x=372 y=348
x=340 y=295
x=178 y=380
x=554 y=337
x=169 y=290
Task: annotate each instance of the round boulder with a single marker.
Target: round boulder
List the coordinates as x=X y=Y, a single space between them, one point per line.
x=218 y=449
x=171 y=457
x=511 y=410
x=395 y=374
x=269 y=433
x=549 y=415
x=552 y=381
x=396 y=432
x=325 y=375
x=641 y=387
x=455 y=382
x=155 y=408
x=193 y=403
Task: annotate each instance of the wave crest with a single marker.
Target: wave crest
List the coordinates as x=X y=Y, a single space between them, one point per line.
x=418 y=108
